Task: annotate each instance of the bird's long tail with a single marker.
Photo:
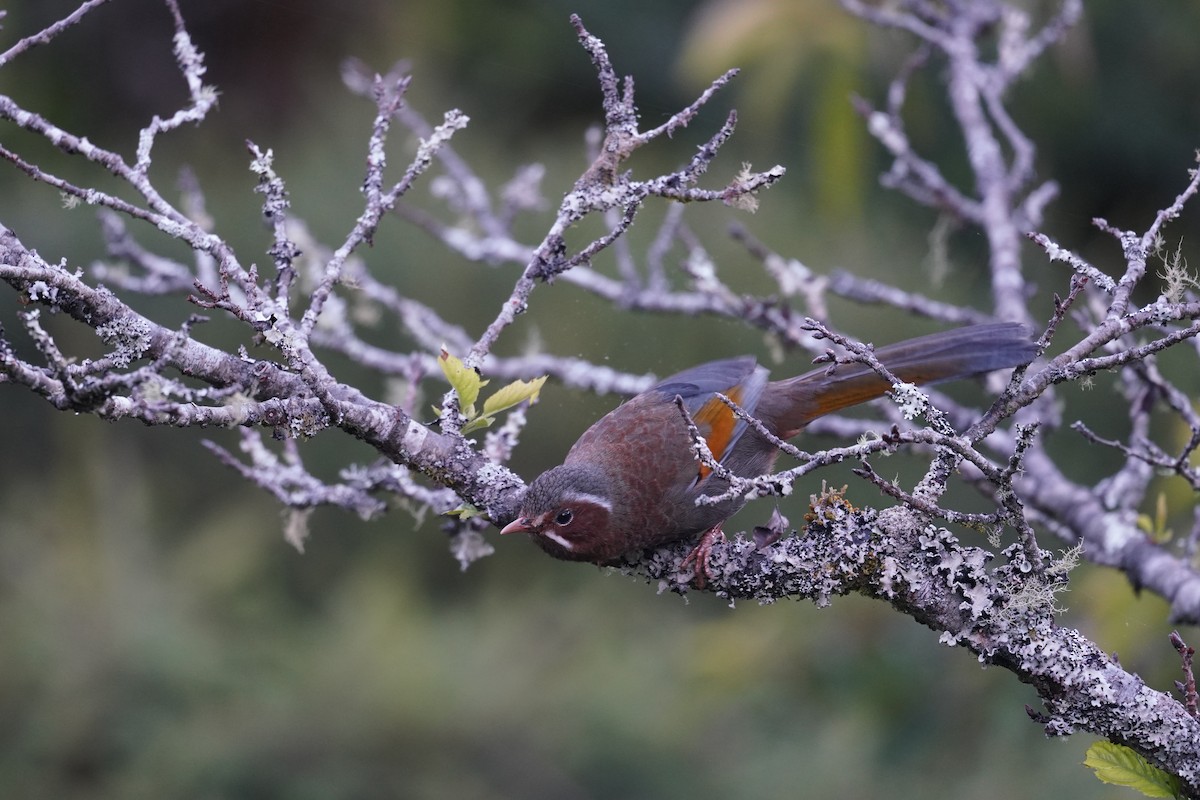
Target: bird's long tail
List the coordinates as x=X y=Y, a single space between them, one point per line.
x=791 y=404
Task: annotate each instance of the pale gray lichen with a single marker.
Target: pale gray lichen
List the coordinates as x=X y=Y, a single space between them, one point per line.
x=129 y=338
x=911 y=401
x=468 y=546
x=40 y=291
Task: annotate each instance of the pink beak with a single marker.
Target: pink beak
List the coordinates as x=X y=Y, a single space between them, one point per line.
x=518 y=525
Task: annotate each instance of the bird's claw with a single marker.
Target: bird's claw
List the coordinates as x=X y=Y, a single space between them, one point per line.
x=699 y=556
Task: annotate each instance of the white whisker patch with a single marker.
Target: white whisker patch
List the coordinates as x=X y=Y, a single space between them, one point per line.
x=554 y=537
x=593 y=499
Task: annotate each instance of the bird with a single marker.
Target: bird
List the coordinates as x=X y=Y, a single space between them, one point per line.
x=631 y=481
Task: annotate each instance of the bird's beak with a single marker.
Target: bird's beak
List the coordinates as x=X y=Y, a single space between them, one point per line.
x=518 y=525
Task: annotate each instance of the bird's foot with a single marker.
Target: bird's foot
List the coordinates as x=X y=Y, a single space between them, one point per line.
x=699 y=556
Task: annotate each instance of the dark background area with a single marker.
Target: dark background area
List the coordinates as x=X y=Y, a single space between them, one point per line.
x=159 y=638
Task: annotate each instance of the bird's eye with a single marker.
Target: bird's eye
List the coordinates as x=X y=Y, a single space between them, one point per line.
x=564 y=517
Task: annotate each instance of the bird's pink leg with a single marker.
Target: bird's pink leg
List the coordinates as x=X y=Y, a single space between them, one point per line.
x=700 y=554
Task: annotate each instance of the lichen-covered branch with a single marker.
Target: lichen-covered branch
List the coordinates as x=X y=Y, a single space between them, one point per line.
x=151 y=372
x=1002 y=613
x=311 y=300
x=1114 y=334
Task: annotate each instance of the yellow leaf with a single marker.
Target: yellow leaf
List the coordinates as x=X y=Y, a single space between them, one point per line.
x=515 y=393
x=1117 y=764
x=466 y=381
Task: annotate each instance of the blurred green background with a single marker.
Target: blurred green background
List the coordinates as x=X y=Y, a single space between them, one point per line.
x=159 y=639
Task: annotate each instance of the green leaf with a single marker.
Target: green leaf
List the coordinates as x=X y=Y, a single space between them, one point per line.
x=1117 y=764
x=465 y=381
x=482 y=421
x=515 y=393
x=465 y=512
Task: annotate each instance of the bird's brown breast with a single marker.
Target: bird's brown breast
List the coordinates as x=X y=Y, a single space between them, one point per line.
x=645 y=446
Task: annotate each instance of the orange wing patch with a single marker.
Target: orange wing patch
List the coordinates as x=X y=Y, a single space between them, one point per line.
x=717 y=423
